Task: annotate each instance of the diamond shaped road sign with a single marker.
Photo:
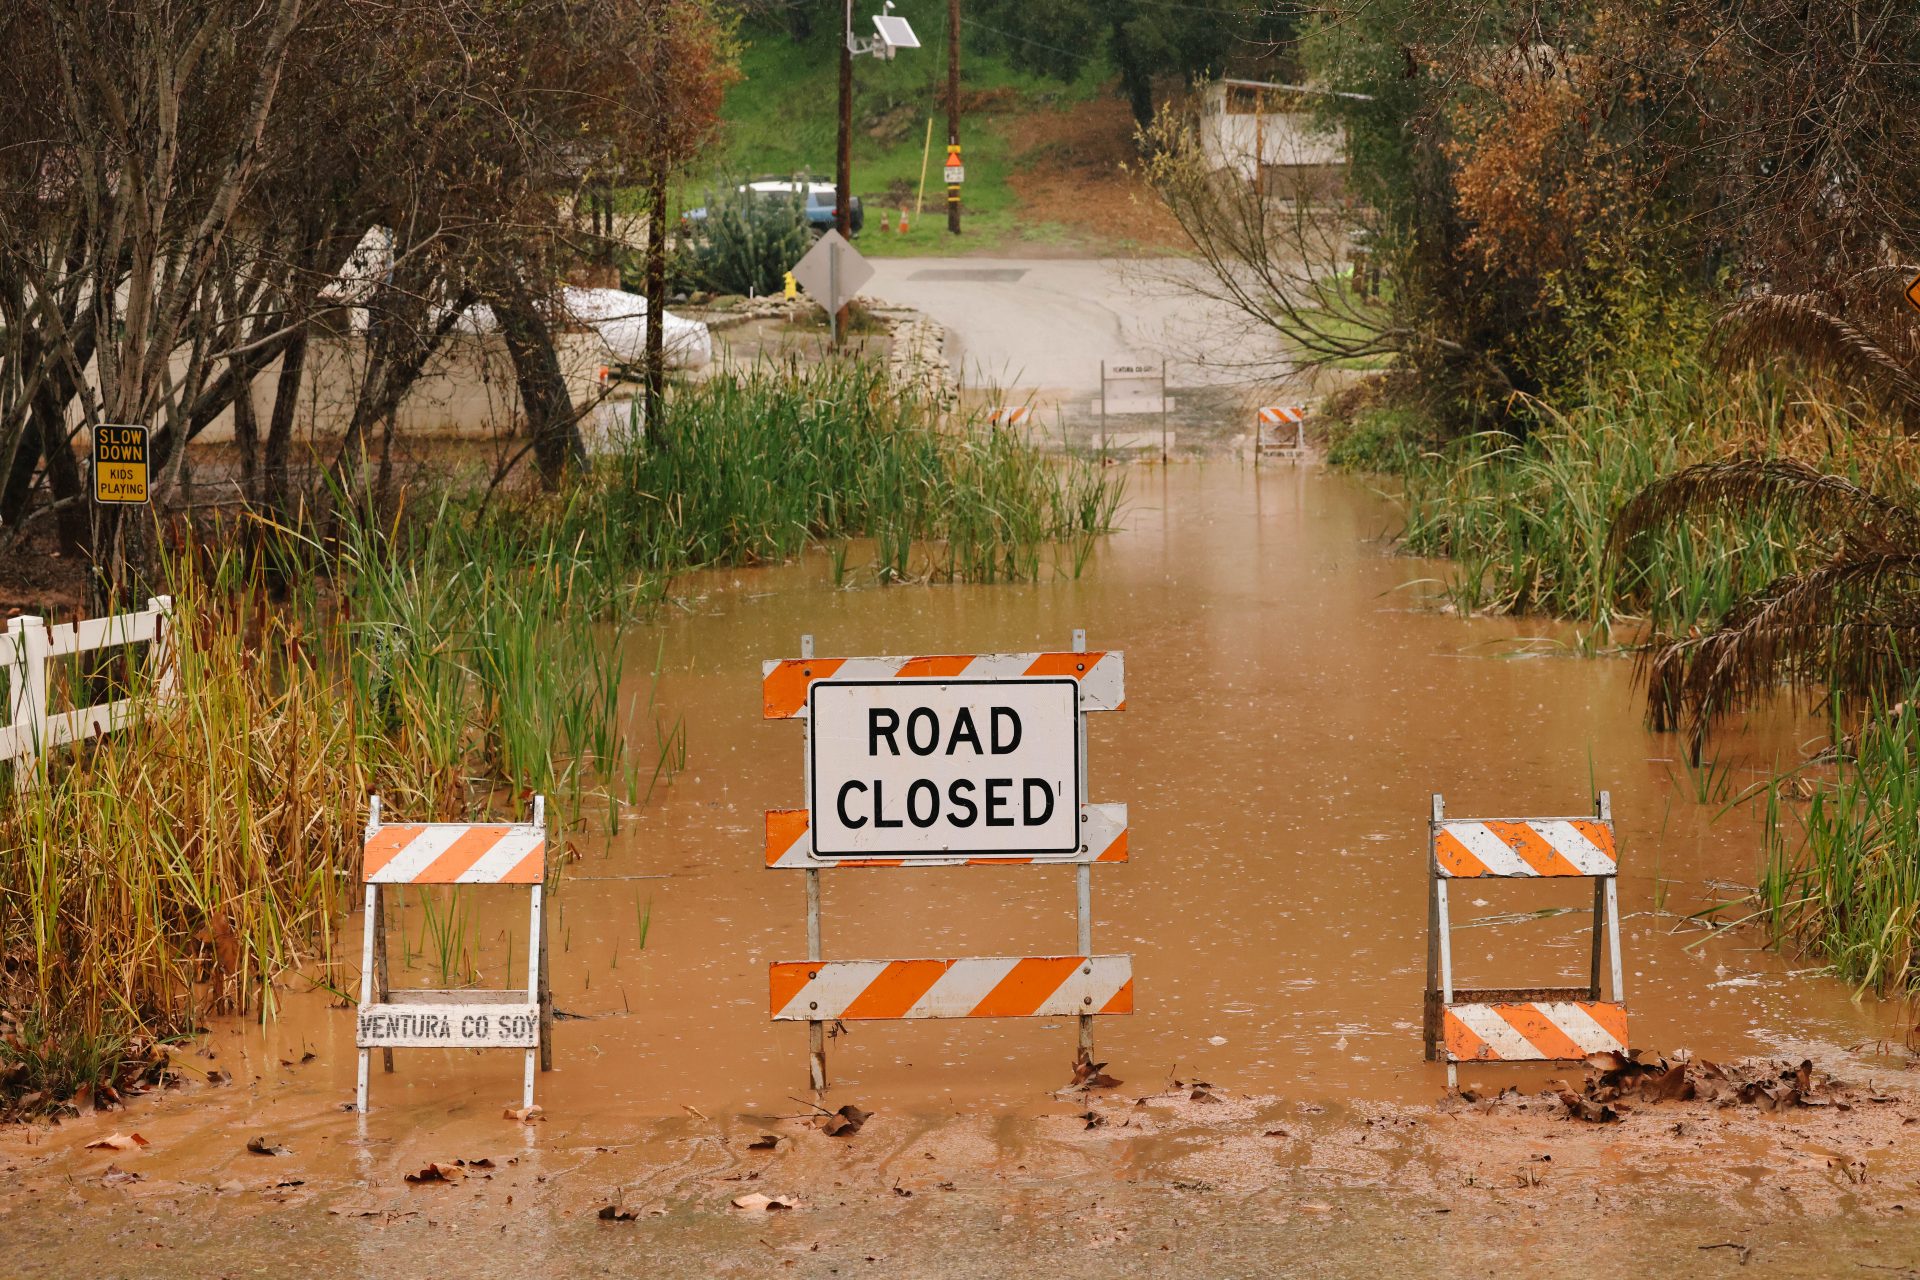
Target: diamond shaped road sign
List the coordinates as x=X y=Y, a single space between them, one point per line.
x=1913 y=292
x=832 y=272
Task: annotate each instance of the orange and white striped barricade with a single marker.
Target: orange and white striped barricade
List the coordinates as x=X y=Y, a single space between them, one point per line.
x=1009 y=415
x=1280 y=431
x=1522 y=1024
x=455 y=853
x=946 y=761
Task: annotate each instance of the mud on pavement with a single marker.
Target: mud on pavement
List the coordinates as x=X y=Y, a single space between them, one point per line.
x=1185 y=1178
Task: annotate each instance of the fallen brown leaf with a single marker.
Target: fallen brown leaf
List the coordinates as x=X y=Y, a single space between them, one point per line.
x=765 y=1142
x=845 y=1122
x=261 y=1147
x=525 y=1115
x=437 y=1172
x=119 y=1142
x=754 y=1202
x=616 y=1213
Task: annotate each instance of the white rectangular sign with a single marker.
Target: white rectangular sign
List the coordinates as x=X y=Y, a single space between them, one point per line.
x=448 y=1026
x=920 y=767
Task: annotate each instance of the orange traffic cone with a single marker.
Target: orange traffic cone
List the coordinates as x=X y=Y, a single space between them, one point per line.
x=903 y=222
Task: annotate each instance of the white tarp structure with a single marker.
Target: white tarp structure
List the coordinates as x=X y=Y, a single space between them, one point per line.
x=618 y=317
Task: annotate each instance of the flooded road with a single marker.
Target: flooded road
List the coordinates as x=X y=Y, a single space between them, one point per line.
x=1291 y=706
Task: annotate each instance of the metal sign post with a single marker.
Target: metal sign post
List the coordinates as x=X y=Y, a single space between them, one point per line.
x=953 y=760
x=1522 y=1024
x=454 y=853
x=832 y=273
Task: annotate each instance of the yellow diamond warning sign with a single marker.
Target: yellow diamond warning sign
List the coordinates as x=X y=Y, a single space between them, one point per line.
x=120 y=464
x=1913 y=292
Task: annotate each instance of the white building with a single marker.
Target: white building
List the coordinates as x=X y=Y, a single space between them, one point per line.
x=1268 y=133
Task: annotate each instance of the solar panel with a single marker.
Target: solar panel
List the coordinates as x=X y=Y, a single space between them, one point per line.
x=895 y=32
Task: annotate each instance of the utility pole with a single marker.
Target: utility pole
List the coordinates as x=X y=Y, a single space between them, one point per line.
x=953 y=107
x=843 y=176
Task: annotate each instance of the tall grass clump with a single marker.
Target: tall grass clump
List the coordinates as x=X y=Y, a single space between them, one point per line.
x=1527 y=520
x=757 y=467
x=1848 y=888
x=184 y=863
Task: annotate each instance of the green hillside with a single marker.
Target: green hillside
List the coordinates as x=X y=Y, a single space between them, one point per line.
x=780 y=119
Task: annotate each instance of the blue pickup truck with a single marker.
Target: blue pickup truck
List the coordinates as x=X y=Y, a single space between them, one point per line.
x=817 y=206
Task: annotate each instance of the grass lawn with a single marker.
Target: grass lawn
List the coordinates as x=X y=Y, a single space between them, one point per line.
x=780 y=120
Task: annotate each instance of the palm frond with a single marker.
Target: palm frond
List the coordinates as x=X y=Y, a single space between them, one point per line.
x=1850 y=627
x=1743 y=485
x=1847 y=331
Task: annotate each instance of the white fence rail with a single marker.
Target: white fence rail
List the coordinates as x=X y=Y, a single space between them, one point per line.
x=28 y=651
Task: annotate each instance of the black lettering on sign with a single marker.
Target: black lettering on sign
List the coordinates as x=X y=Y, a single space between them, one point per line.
x=963 y=728
x=922 y=787
x=877 y=730
x=1027 y=791
x=841 y=801
x=1011 y=718
x=959 y=802
x=997 y=802
x=923 y=717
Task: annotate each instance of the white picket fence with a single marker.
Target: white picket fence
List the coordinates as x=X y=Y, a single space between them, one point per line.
x=28 y=651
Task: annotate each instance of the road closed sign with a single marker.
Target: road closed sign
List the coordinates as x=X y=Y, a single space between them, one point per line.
x=905 y=768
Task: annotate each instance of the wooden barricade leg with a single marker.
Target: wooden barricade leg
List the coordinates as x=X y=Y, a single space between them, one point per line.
x=533 y=993
x=1429 y=1012
x=366 y=991
x=1599 y=935
x=545 y=997
x=1446 y=970
x=816 y=1031
x=381 y=974
x=1430 y=1015
x=1083 y=874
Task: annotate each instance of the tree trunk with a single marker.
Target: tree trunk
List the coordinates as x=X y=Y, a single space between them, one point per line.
x=246 y=437
x=286 y=400
x=1135 y=78
x=656 y=307
x=543 y=389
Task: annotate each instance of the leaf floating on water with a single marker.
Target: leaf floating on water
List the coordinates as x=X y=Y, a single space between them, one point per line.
x=119 y=1142
x=525 y=1115
x=116 y=1176
x=1093 y=1118
x=845 y=1122
x=754 y=1202
x=437 y=1172
x=261 y=1147
x=765 y=1142
x=618 y=1213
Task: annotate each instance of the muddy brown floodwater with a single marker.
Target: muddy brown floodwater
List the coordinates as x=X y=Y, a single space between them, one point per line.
x=1292 y=703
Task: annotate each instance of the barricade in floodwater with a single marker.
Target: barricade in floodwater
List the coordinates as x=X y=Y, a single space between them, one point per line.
x=1009 y=415
x=454 y=853
x=962 y=760
x=1522 y=1024
x=29 y=651
x=1280 y=430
